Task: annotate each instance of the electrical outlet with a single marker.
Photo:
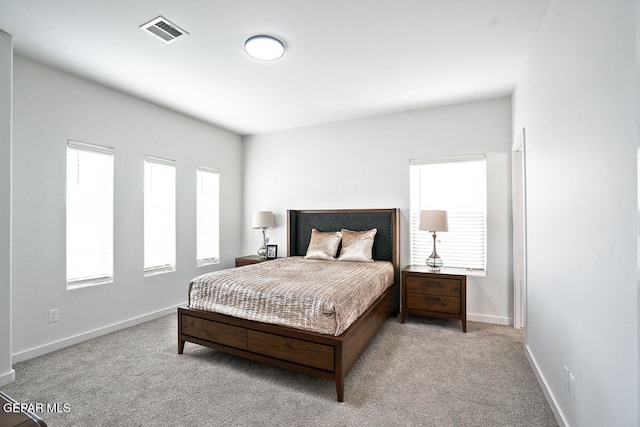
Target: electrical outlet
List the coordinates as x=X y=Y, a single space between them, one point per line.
x=572 y=386
x=566 y=377
x=53 y=315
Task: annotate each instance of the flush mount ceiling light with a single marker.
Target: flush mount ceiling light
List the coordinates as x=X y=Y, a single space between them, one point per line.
x=264 y=48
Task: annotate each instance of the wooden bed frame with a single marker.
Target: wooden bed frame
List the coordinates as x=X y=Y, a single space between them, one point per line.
x=319 y=355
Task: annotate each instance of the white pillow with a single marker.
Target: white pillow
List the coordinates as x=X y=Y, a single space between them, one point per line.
x=323 y=245
x=357 y=245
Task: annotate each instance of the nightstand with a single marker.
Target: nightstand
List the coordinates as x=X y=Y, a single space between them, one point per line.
x=437 y=294
x=250 y=259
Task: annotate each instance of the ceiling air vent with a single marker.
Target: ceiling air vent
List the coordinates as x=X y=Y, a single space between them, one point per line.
x=163 y=29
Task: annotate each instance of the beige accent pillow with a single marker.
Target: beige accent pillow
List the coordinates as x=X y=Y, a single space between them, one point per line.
x=323 y=245
x=357 y=245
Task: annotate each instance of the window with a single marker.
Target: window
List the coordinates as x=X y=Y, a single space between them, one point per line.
x=208 y=216
x=459 y=186
x=159 y=215
x=89 y=214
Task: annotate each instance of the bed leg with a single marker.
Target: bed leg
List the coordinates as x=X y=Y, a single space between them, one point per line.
x=340 y=389
x=180 y=346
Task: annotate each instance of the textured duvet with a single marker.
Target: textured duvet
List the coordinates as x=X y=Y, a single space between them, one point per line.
x=313 y=295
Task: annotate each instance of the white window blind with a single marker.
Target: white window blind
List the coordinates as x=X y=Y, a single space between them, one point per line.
x=159 y=215
x=208 y=215
x=459 y=186
x=89 y=219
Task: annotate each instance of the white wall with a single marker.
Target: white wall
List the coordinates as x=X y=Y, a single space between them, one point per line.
x=6 y=69
x=365 y=164
x=577 y=99
x=51 y=107
x=638 y=174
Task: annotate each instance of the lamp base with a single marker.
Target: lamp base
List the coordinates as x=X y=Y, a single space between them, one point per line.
x=262 y=251
x=435 y=262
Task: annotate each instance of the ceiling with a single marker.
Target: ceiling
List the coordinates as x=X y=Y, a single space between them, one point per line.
x=345 y=59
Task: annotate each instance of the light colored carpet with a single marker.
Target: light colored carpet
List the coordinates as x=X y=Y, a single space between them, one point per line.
x=425 y=372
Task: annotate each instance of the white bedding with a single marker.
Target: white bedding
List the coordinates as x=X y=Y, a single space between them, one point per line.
x=313 y=295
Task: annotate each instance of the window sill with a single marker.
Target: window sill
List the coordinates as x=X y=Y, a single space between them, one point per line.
x=155 y=272
x=72 y=286
x=204 y=263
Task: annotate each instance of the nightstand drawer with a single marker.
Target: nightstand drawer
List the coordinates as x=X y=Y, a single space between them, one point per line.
x=250 y=259
x=433 y=285
x=439 y=303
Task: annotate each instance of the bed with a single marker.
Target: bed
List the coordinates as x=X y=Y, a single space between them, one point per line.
x=318 y=354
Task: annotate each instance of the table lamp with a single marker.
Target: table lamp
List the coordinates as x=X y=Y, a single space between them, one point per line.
x=434 y=221
x=263 y=220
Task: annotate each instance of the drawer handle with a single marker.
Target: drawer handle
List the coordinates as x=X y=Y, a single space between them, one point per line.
x=432 y=299
x=426 y=282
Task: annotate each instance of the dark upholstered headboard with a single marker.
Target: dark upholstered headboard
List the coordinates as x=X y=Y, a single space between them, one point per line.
x=386 y=245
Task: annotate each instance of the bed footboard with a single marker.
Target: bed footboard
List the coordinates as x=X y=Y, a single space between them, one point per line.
x=318 y=355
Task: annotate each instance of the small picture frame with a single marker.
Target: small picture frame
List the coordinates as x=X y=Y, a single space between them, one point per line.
x=272 y=251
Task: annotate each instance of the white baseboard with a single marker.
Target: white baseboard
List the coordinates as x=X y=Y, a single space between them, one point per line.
x=562 y=422
x=489 y=319
x=57 y=345
x=7 y=377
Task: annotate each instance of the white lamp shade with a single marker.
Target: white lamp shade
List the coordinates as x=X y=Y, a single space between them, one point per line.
x=263 y=219
x=431 y=220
